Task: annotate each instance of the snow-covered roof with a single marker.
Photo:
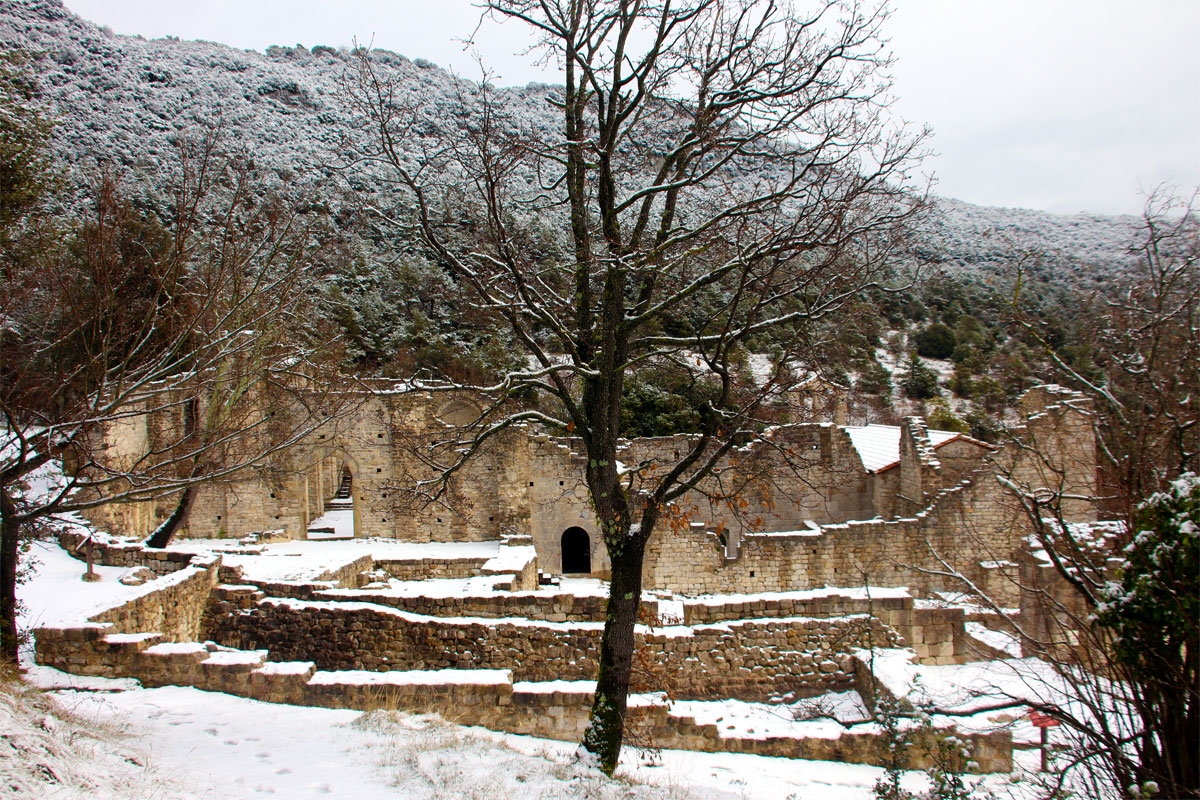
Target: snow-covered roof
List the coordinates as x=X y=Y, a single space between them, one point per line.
x=879 y=445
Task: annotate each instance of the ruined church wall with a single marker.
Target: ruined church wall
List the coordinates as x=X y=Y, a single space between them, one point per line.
x=1055 y=449
x=558 y=500
x=959 y=458
x=806 y=473
x=384 y=442
x=976 y=528
x=810 y=473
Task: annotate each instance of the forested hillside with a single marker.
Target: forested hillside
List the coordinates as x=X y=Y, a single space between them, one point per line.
x=120 y=105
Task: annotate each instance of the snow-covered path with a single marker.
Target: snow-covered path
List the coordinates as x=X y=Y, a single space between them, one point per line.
x=209 y=745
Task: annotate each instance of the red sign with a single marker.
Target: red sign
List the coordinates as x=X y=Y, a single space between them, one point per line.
x=1041 y=720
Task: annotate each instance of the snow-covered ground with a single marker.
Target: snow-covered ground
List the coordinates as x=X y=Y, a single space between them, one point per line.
x=176 y=742
x=306 y=560
x=337 y=523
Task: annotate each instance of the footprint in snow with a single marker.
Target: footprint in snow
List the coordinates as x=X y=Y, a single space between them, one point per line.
x=322 y=788
x=231 y=742
x=262 y=755
x=284 y=771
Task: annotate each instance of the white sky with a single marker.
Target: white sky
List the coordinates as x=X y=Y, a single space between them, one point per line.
x=1061 y=105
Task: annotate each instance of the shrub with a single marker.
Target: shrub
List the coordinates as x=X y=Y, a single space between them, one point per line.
x=936 y=341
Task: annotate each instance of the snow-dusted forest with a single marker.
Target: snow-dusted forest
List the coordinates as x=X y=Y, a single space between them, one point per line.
x=247 y=249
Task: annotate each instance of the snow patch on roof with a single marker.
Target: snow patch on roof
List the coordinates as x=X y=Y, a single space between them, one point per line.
x=879 y=445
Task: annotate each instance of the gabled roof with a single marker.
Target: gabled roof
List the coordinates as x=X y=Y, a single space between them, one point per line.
x=879 y=445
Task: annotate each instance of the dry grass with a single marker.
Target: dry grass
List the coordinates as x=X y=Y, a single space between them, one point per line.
x=46 y=752
x=424 y=756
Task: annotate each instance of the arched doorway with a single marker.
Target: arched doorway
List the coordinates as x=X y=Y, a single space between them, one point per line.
x=329 y=492
x=576 y=551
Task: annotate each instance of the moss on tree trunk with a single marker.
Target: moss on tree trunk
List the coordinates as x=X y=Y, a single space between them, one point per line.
x=606 y=725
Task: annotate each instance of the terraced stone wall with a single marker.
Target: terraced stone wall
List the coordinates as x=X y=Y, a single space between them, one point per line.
x=121 y=554
x=751 y=660
x=547 y=607
x=419 y=569
x=476 y=697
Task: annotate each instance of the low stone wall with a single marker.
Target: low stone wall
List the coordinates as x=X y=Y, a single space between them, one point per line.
x=470 y=697
x=517 y=560
x=828 y=603
x=174 y=607
x=992 y=751
x=751 y=660
x=937 y=634
x=543 y=606
x=124 y=554
x=419 y=569
x=349 y=574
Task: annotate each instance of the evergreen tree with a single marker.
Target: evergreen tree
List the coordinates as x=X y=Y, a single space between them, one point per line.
x=919 y=381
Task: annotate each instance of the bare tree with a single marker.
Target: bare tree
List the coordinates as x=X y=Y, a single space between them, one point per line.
x=1111 y=607
x=197 y=323
x=722 y=174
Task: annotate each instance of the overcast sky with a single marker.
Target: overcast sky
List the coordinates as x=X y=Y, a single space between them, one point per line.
x=1061 y=105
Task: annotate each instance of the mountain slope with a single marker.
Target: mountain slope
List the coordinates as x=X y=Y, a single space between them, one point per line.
x=122 y=100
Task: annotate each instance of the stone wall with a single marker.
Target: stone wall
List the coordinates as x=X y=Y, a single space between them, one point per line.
x=968 y=525
x=416 y=569
x=545 y=607
x=751 y=659
x=175 y=607
x=469 y=697
x=172 y=609
x=349 y=574
x=558 y=500
x=936 y=634
x=1055 y=449
x=123 y=554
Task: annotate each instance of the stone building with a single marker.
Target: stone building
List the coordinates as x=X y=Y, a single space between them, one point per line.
x=821 y=504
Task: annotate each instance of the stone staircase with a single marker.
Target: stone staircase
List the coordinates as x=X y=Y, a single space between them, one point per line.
x=343 y=499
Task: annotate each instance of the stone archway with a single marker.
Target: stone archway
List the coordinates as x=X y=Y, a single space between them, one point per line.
x=576 y=551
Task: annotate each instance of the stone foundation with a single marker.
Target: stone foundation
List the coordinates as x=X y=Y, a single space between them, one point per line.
x=123 y=554
x=469 y=697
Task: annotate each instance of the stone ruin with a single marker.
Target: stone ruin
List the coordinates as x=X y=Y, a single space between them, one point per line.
x=846 y=554
x=852 y=505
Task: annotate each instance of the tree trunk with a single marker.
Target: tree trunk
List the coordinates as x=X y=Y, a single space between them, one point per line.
x=10 y=541
x=166 y=531
x=606 y=725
